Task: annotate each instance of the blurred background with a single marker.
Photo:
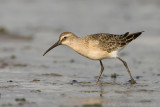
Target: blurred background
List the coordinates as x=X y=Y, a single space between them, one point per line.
x=80 y=17
x=64 y=78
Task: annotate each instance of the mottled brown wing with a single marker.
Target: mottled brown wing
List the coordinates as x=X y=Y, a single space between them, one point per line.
x=111 y=42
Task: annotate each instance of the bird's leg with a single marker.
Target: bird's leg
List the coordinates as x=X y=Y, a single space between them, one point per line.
x=102 y=68
x=125 y=64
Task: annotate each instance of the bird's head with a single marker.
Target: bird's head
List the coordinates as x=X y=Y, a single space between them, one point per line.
x=64 y=39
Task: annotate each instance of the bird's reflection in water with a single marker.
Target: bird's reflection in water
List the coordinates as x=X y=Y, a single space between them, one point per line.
x=101 y=90
x=101 y=86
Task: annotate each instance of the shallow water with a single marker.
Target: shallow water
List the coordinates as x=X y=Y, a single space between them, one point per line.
x=70 y=80
x=63 y=78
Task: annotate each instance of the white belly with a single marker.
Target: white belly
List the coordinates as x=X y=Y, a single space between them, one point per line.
x=97 y=54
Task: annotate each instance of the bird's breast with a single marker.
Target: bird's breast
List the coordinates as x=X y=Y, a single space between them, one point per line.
x=90 y=50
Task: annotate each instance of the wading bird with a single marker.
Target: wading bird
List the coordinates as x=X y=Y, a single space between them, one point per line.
x=98 y=46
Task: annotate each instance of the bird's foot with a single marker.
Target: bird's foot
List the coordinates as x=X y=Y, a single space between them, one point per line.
x=132 y=81
x=97 y=81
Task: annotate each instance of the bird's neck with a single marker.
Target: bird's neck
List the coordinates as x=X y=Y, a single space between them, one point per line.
x=75 y=43
x=78 y=44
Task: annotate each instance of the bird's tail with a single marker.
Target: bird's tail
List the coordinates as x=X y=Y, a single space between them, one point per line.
x=129 y=37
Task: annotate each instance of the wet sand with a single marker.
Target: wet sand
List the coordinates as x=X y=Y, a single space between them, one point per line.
x=63 y=78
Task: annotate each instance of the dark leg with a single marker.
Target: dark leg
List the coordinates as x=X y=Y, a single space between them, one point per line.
x=125 y=64
x=102 y=68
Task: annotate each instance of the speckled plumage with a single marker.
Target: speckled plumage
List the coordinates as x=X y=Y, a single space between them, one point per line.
x=111 y=42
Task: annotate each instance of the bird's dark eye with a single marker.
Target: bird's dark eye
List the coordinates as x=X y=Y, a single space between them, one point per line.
x=65 y=37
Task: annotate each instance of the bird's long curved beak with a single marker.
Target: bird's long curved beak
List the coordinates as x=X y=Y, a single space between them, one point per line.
x=53 y=46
